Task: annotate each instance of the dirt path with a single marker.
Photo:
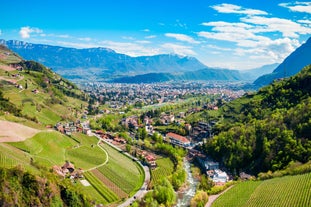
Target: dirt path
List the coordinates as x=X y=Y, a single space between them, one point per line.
x=212 y=198
x=14 y=132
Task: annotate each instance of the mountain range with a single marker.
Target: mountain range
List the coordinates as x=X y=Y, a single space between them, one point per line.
x=103 y=64
x=298 y=59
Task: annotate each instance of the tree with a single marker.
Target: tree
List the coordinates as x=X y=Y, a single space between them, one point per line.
x=164 y=193
x=199 y=199
x=128 y=148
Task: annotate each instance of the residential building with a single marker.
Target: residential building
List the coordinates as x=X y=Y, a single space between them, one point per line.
x=177 y=139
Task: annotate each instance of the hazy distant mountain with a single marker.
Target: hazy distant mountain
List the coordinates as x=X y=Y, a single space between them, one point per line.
x=206 y=74
x=103 y=64
x=255 y=73
x=298 y=59
x=100 y=63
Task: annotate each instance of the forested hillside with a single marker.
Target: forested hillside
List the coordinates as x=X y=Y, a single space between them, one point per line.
x=266 y=130
x=20 y=188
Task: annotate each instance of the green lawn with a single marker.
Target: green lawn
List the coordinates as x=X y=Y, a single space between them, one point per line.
x=283 y=191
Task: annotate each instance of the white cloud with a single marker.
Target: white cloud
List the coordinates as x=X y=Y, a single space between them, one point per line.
x=178 y=49
x=143 y=41
x=63 y=36
x=129 y=48
x=145 y=30
x=0 y=32
x=151 y=37
x=272 y=50
x=231 y=8
x=87 y=39
x=251 y=31
x=182 y=37
x=215 y=47
x=75 y=44
x=240 y=33
x=287 y=27
x=304 y=21
x=128 y=38
x=26 y=31
x=298 y=6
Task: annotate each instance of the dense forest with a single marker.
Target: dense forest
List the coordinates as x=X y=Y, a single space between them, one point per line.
x=266 y=130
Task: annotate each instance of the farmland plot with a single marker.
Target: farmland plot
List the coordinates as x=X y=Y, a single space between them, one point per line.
x=283 y=191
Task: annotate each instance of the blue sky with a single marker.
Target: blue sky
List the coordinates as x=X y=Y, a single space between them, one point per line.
x=229 y=34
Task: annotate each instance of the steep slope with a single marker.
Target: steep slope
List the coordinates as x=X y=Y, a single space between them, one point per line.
x=32 y=91
x=290 y=66
x=266 y=130
x=99 y=63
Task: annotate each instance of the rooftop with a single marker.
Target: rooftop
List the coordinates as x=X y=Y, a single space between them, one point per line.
x=177 y=137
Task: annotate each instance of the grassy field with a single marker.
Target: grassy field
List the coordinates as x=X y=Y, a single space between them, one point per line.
x=49 y=147
x=284 y=191
x=164 y=169
x=86 y=154
x=53 y=148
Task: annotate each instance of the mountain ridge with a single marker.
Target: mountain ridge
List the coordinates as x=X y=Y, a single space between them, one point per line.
x=107 y=62
x=104 y=64
x=291 y=65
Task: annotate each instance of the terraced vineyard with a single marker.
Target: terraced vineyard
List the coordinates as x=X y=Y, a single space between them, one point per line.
x=120 y=168
x=107 y=194
x=164 y=169
x=283 y=191
x=114 y=188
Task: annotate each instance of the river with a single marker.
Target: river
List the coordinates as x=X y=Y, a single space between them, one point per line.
x=184 y=198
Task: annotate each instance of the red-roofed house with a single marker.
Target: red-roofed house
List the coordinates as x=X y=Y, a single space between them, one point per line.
x=178 y=139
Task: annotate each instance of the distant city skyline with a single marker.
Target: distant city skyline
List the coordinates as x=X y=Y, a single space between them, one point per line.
x=233 y=34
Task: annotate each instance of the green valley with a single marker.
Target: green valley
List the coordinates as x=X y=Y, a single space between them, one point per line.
x=167 y=144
